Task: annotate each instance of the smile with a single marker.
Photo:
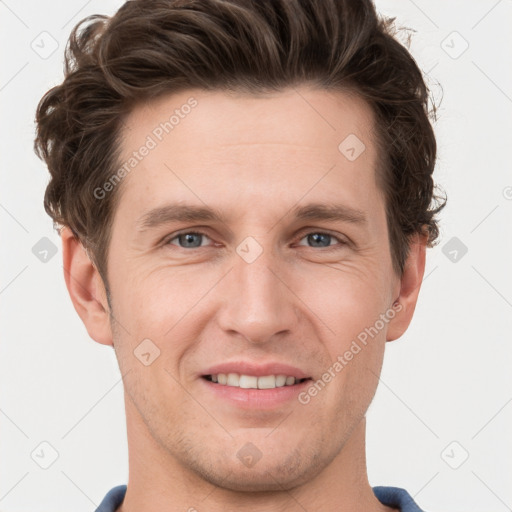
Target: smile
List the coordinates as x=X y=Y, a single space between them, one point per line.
x=253 y=382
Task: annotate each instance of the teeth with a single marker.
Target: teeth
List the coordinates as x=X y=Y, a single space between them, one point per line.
x=247 y=382
x=290 y=381
x=233 y=380
x=252 y=382
x=280 y=381
x=267 y=382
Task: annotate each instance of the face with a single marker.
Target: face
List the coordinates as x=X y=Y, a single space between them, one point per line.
x=271 y=286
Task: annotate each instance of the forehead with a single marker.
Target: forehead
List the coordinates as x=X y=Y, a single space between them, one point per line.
x=222 y=117
x=224 y=148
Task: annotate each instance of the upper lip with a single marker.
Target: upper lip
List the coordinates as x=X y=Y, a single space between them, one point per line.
x=257 y=370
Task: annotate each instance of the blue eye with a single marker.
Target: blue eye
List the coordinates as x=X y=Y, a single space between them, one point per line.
x=192 y=240
x=189 y=239
x=317 y=237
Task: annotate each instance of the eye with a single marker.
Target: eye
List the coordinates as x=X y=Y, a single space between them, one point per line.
x=192 y=240
x=321 y=239
x=189 y=239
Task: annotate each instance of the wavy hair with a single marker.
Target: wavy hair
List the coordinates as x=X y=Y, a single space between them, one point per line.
x=155 y=47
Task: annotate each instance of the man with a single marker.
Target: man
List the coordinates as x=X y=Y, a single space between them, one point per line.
x=244 y=192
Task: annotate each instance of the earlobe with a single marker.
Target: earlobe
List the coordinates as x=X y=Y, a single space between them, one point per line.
x=410 y=284
x=85 y=288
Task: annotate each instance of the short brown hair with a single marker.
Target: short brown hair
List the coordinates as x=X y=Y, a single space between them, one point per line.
x=154 y=47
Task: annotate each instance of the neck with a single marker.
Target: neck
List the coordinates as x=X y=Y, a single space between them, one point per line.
x=157 y=481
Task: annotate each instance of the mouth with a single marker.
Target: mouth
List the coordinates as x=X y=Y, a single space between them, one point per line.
x=254 y=393
x=243 y=381
x=251 y=386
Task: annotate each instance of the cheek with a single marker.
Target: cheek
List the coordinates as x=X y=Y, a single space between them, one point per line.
x=345 y=297
x=148 y=303
x=349 y=303
x=354 y=309
x=151 y=314
x=165 y=306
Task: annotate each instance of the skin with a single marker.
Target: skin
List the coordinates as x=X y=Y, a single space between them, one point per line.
x=253 y=158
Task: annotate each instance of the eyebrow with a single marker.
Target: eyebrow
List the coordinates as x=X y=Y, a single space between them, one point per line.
x=177 y=213
x=192 y=213
x=329 y=211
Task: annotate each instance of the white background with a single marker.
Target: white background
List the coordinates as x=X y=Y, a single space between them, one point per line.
x=447 y=379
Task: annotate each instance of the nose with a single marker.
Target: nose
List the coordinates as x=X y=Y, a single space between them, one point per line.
x=258 y=302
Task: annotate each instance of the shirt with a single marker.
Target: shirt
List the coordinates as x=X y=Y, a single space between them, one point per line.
x=391 y=496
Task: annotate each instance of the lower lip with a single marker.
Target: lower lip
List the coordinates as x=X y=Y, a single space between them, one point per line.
x=256 y=398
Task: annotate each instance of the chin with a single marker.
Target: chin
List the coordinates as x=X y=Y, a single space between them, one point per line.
x=278 y=473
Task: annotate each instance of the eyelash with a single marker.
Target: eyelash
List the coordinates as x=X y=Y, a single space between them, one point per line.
x=303 y=235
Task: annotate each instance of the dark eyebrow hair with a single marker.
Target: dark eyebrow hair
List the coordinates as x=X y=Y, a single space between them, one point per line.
x=329 y=211
x=192 y=213
x=178 y=212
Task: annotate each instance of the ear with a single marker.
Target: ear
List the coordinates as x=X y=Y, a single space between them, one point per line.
x=410 y=284
x=85 y=288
